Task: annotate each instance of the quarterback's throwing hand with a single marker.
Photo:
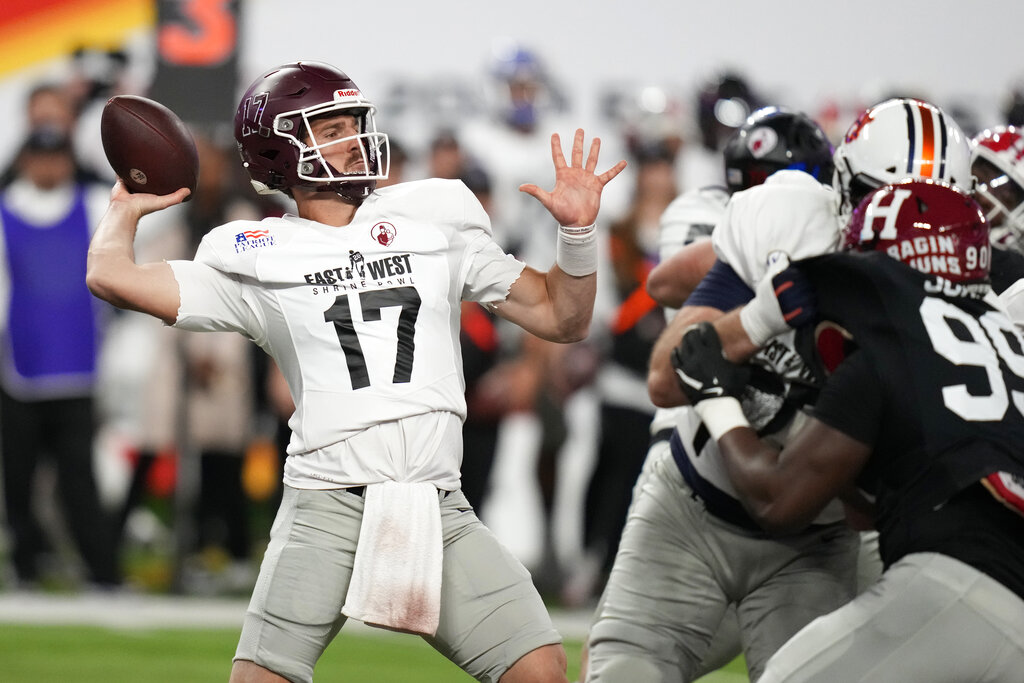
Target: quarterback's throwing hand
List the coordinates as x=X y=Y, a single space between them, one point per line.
x=702 y=370
x=576 y=197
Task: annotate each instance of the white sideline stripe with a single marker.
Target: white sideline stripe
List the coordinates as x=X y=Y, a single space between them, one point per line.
x=156 y=611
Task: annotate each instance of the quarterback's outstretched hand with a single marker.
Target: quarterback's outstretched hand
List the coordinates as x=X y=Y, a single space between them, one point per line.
x=576 y=197
x=703 y=371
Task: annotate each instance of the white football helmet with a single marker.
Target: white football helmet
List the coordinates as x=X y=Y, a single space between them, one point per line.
x=997 y=161
x=900 y=139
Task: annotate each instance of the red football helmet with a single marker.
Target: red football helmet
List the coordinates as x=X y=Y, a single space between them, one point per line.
x=997 y=161
x=931 y=226
x=276 y=141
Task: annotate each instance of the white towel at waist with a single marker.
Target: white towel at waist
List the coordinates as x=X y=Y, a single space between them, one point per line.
x=396 y=576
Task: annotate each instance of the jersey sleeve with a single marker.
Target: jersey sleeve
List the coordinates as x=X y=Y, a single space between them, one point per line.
x=791 y=213
x=690 y=217
x=851 y=399
x=488 y=272
x=212 y=300
x=721 y=288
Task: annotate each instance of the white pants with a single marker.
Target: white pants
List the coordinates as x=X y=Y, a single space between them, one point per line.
x=930 y=618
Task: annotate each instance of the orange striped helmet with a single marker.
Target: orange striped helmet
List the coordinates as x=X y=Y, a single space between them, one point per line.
x=899 y=139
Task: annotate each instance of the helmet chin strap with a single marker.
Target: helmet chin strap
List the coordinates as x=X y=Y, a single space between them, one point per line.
x=355 y=192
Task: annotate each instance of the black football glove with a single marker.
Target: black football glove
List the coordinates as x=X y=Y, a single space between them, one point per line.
x=702 y=369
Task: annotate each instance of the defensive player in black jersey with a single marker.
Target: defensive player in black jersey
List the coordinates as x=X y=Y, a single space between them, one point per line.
x=922 y=412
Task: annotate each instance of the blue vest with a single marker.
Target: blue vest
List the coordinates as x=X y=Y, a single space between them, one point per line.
x=52 y=326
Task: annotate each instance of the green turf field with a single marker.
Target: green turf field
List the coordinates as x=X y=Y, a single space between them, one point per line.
x=57 y=654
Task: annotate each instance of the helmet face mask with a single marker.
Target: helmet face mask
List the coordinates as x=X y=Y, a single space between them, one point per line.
x=898 y=139
x=274 y=128
x=933 y=227
x=774 y=139
x=997 y=161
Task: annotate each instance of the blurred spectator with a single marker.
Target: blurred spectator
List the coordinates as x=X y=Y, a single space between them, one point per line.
x=723 y=103
x=631 y=328
x=96 y=76
x=489 y=396
x=513 y=147
x=1013 y=110
x=221 y=419
x=212 y=378
x=52 y=328
x=53 y=106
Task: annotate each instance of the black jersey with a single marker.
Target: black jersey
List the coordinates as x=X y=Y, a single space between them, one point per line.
x=936 y=385
x=1007 y=268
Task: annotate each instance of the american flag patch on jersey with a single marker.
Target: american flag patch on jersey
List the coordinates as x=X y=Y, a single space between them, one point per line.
x=251 y=235
x=1007 y=488
x=253 y=239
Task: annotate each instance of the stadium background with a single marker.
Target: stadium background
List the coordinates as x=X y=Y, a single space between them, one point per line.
x=799 y=52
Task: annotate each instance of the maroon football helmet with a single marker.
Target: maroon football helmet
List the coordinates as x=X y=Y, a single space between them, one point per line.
x=929 y=225
x=276 y=141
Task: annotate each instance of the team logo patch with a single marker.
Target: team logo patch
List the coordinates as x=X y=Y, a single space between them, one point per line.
x=383 y=233
x=253 y=239
x=762 y=141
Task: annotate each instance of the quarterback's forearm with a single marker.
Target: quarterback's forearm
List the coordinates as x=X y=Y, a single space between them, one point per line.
x=572 y=302
x=554 y=305
x=113 y=275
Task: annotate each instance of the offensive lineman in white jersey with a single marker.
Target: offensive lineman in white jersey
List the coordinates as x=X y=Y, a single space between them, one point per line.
x=357 y=299
x=678 y=533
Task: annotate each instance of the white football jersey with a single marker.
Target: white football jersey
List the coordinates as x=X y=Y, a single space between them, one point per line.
x=690 y=217
x=791 y=213
x=1012 y=301
x=363 y=321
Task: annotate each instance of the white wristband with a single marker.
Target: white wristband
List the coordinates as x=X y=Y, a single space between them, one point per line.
x=761 y=317
x=721 y=415
x=576 y=253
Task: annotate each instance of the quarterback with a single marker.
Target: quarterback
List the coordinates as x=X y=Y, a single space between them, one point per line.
x=357 y=299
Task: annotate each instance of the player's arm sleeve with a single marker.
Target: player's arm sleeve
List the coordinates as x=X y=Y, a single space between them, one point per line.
x=487 y=272
x=852 y=399
x=212 y=300
x=721 y=288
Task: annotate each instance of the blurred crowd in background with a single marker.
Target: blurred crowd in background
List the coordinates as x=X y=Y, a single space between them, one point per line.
x=136 y=457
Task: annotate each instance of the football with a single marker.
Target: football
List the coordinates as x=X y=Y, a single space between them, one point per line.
x=148 y=146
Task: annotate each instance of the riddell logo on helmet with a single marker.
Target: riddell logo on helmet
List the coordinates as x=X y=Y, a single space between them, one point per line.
x=340 y=94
